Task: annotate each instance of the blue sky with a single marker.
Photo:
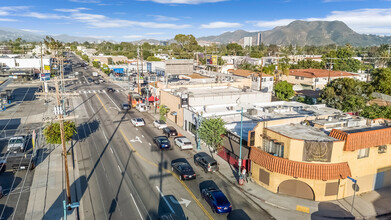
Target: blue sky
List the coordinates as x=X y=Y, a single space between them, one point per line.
x=128 y=20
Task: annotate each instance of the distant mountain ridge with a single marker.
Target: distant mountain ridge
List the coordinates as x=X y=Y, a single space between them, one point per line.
x=302 y=33
x=12 y=34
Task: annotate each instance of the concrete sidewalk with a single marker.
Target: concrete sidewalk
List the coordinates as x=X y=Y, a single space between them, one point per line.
x=47 y=191
x=366 y=206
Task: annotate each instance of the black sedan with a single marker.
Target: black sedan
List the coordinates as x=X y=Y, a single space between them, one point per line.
x=162 y=142
x=184 y=170
x=170 y=131
x=110 y=90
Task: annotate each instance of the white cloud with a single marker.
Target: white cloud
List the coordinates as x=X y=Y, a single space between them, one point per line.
x=155 y=33
x=101 y=21
x=42 y=15
x=8 y=19
x=31 y=30
x=6 y=10
x=221 y=24
x=85 y=1
x=70 y=9
x=189 y=2
x=99 y=36
x=272 y=24
x=164 y=18
x=132 y=36
x=367 y=20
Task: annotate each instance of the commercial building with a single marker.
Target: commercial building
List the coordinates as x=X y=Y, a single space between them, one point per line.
x=179 y=99
x=179 y=67
x=310 y=151
x=23 y=67
x=315 y=78
x=109 y=60
x=256 y=83
x=247 y=42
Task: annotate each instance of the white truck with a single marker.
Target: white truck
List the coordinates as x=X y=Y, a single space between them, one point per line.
x=16 y=144
x=95 y=74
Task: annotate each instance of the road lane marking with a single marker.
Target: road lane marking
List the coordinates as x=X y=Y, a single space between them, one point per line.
x=149 y=144
x=138 y=210
x=167 y=171
x=155 y=165
x=119 y=169
x=142 y=135
x=111 y=150
x=113 y=102
x=162 y=195
x=104 y=107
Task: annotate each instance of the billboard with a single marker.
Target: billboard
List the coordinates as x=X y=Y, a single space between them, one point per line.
x=45 y=76
x=47 y=67
x=211 y=59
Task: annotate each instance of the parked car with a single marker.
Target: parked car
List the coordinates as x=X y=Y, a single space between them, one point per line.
x=170 y=131
x=101 y=80
x=125 y=106
x=217 y=200
x=90 y=80
x=159 y=124
x=110 y=89
x=162 y=142
x=138 y=122
x=3 y=165
x=1 y=192
x=16 y=144
x=205 y=161
x=183 y=143
x=184 y=170
x=96 y=81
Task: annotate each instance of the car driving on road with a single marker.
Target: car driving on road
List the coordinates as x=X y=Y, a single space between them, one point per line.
x=110 y=89
x=184 y=170
x=125 y=106
x=159 y=124
x=217 y=200
x=137 y=122
x=162 y=142
x=183 y=143
x=16 y=144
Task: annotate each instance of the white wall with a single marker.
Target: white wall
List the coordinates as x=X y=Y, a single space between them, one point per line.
x=230 y=99
x=23 y=63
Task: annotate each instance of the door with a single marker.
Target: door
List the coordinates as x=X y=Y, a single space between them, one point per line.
x=296 y=188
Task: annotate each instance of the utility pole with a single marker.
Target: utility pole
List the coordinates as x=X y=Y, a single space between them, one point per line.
x=64 y=150
x=138 y=72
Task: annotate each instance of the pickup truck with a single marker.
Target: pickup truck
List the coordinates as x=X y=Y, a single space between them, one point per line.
x=16 y=144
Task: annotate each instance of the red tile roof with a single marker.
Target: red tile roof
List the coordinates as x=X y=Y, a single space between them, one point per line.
x=246 y=73
x=287 y=167
x=318 y=73
x=364 y=139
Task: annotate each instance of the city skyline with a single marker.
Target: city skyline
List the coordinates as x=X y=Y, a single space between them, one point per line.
x=163 y=19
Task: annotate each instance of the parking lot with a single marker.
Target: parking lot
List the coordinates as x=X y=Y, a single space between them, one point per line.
x=21 y=118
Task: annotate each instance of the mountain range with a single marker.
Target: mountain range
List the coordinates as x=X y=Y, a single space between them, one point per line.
x=296 y=33
x=12 y=34
x=304 y=33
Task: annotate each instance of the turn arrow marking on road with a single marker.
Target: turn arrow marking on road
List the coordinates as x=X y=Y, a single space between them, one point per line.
x=185 y=201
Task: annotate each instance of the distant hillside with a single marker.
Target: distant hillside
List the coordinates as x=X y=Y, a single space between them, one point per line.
x=304 y=33
x=12 y=34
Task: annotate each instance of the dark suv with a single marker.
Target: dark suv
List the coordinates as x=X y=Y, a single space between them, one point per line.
x=170 y=131
x=205 y=161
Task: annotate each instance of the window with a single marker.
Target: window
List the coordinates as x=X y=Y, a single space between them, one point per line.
x=274 y=148
x=316 y=80
x=382 y=149
x=296 y=77
x=16 y=64
x=302 y=78
x=362 y=153
x=271 y=78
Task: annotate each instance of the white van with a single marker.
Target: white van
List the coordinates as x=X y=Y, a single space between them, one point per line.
x=141 y=107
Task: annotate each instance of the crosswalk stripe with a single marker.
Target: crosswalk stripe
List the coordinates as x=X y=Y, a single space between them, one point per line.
x=89 y=91
x=99 y=91
x=94 y=91
x=85 y=91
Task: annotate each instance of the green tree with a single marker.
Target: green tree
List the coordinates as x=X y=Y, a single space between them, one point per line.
x=211 y=132
x=96 y=64
x=187 y=42
x=234 y=49
x=163 y=111
x=52 y=132
x=153 y=58
x=105 y=69
x=346 y=94
x=284 y=90
x=376 y=111
x=381 y=80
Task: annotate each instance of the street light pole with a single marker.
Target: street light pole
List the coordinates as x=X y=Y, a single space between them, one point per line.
x=240 y=144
